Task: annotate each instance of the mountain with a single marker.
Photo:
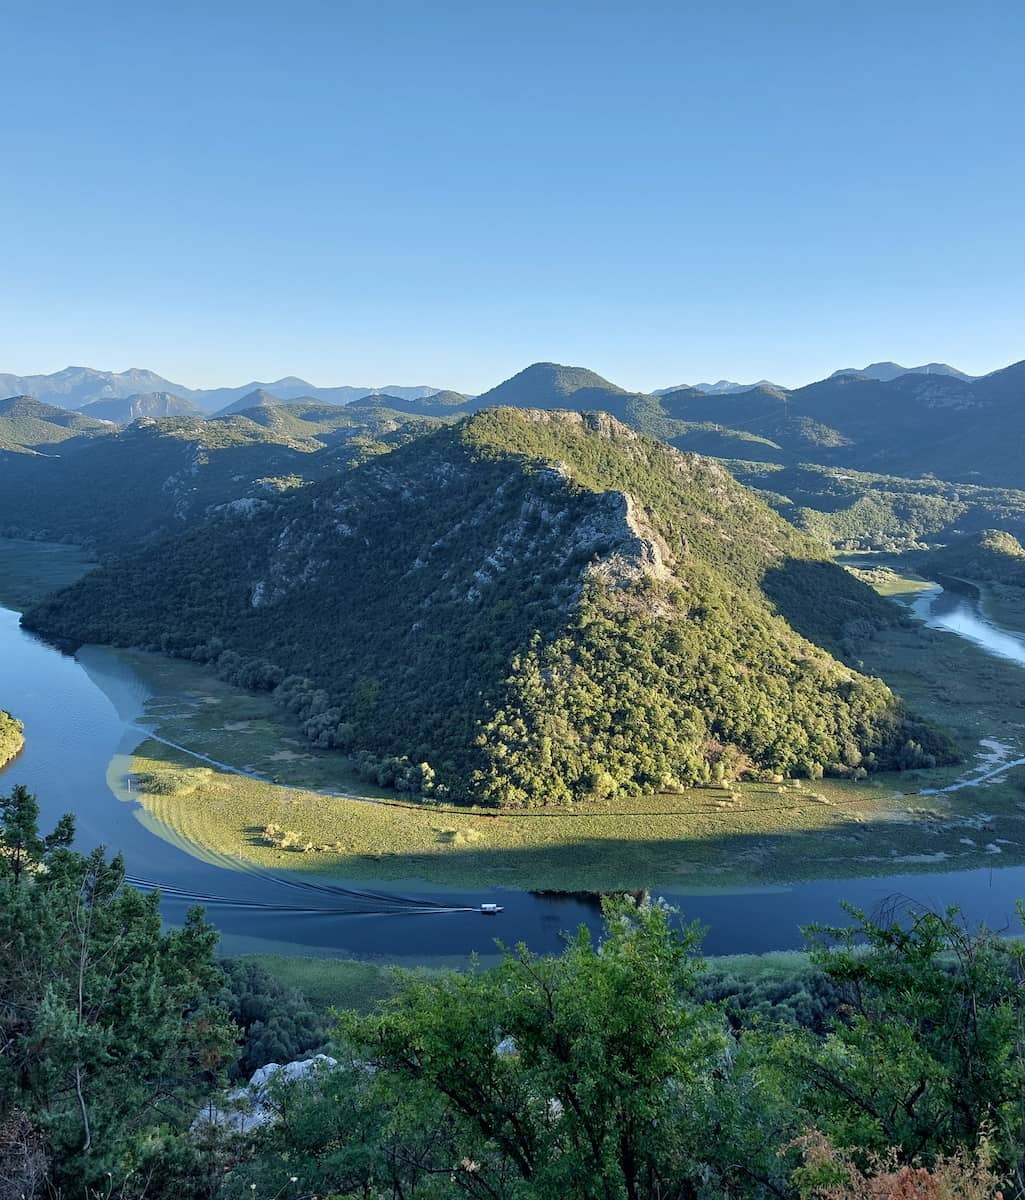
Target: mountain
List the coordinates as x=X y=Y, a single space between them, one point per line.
x=76 y=386
x=991 y=556
x=130 y=408
x=155 y=477
x=27 y=424
x=856 y=510
x=223 y=400
x=723 y=387
x=969 y=430
x=525 y=608
x=260 y=397
x=885 y=371
x=551 y=385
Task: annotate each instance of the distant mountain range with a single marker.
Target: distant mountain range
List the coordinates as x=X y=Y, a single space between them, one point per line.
x=76 y=387
x=84 y=387
x=885 y=371
x=723 y=387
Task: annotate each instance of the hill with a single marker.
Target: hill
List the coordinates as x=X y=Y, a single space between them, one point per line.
x=28 y=424
x=991 y=556
x=856 y=510
x=124 y=411
x=529 y=607
x=156 y=476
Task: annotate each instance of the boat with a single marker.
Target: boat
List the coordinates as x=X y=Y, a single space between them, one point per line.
x=490 y=910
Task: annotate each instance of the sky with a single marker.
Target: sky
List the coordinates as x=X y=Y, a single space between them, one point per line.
x=443 y=192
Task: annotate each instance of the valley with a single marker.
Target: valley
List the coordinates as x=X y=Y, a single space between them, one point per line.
x=419 y=645
x=800 y=846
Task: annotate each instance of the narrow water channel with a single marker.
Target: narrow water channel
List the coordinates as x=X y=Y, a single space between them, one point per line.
x=79 y=713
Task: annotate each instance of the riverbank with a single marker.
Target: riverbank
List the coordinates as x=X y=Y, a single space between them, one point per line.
x=745 y=835
x=231 y=764
x=12 y=738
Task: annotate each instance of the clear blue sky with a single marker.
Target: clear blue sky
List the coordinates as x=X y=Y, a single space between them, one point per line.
x=442 y=192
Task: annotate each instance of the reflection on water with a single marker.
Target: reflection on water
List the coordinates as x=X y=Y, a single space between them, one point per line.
x=78 y=713
x=959 y=613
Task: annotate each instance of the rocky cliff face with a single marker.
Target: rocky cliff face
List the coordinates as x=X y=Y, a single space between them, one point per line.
x=538 y=605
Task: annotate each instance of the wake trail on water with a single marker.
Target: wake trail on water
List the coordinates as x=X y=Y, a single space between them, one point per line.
x=392 y=905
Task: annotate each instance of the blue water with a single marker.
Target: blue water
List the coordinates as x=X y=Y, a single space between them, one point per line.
x=79 y=712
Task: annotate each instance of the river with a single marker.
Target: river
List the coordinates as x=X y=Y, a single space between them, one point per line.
x=80 y=713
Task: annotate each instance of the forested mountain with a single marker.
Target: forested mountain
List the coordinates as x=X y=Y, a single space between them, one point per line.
x=990 y=556
x=535 y=606
x=123 y=411
x=855 y=510
x=915 y=459
x=154 y=477
x=27 y=425
x=960 y=429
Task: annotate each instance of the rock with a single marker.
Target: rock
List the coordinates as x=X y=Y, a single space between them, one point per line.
x=247 y=1108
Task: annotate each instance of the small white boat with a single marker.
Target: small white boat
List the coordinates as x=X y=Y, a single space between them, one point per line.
x=490 y=910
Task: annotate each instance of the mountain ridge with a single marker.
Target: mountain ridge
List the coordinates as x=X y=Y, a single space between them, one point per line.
x=526 y=607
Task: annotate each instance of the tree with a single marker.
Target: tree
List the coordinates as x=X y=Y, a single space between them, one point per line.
x=107 y=1025
x=927 y=1053
x=587 y=1075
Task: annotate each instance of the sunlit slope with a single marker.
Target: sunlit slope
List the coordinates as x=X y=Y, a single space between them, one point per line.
x=531 y=607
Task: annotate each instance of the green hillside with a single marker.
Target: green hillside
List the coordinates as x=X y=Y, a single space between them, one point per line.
x=857 y=510
x=538 y=606
x=155 y=477
x=26 y=424
x=991 y=556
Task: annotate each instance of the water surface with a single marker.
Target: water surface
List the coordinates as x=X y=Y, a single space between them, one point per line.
x=80 y=712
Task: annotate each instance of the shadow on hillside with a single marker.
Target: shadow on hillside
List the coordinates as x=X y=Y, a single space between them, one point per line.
x=825 y=603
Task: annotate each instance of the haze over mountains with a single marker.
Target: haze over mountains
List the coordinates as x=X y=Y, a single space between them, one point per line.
x=75 y=387
x=501 y=560
x=78 y=387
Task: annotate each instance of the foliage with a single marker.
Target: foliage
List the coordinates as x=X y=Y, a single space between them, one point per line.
x=12 y=737
x=832 y=1174
x=991 y=556
x=928 y=1051
x=593 y=1074
x=109 y=1027
x=617 y=1070
x=278 y=1023
x=529 y=607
